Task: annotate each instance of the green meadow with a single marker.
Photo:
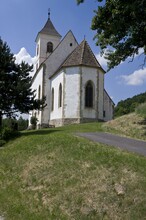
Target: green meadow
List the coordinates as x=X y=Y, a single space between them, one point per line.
x=54 y=174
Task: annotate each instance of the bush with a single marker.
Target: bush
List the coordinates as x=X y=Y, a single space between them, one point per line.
x=141 y=110
x=2 y=142
x=33 y=122
x=7 y=134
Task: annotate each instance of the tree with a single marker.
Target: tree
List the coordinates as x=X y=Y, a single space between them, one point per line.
x=120 y=25
x=15 y=85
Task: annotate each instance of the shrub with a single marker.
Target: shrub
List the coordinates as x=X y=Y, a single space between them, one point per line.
x=7 y=134
x=33 y=122
x=2 y=142
x=141 y=110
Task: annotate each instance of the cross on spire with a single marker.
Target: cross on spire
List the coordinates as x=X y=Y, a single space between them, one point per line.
x=49 y=12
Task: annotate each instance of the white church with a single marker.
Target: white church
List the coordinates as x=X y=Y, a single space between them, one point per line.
x=71 y=78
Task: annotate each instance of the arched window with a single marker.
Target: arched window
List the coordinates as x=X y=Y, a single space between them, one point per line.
x=37 y=50
x=49 y=47
x=52 y=99
x=89 y=94
x=60 y=96
x=39 y=92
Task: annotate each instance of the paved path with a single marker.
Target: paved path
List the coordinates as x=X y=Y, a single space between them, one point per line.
x=129 y=144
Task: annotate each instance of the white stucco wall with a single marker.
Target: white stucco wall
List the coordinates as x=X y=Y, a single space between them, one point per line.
x=35 y=86
x=42 y=41
x=55 y=82
x=89 y=73
x=72 y=93
x=100 y=95
x=55 y=60
x=108 y=107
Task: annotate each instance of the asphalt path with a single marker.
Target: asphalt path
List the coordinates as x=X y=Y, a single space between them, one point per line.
x=129 y=144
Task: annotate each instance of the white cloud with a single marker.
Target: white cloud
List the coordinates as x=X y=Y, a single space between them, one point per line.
x=138 y=77
x=102 y=61
x=23 y=55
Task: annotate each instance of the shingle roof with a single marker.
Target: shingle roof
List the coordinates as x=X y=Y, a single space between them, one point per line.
x=82 y=55
x=49 y=29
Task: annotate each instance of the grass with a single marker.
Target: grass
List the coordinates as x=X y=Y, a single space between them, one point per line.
x=132 y=125
x=52 y=174
x=141 y=110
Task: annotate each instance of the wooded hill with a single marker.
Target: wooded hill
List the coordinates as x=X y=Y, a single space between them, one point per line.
x=128 y=105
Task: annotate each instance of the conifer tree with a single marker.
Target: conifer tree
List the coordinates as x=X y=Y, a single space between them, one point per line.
x=16 y=94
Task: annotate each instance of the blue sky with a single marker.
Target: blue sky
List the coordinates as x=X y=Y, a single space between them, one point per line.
x=21 y=20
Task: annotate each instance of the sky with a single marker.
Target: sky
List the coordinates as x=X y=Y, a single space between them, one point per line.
x=21 y=20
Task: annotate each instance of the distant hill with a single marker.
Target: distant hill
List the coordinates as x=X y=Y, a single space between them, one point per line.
x=128 y=105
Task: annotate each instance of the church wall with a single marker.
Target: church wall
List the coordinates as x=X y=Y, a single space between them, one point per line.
x=72 y=93
x=100 y=95
x=55 y=82
x=108 y=107
x=89 y=74
x=60 y=54
x=35 y=86
x=42 y=45
x=46 y=93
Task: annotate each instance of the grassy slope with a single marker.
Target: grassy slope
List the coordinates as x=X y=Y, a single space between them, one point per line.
x=52 y=174
x=131 y=125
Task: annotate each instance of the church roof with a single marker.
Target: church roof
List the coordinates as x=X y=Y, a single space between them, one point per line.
x=82 y=55
x=49 y=29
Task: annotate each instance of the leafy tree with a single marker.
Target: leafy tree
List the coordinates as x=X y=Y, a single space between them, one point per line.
x=129 y=105
x=15 y=85
x=121 y=25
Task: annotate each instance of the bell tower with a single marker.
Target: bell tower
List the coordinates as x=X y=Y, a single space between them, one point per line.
x=46 y=41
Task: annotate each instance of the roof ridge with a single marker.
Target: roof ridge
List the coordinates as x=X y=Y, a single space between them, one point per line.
x=83 y=50
x=93 y=55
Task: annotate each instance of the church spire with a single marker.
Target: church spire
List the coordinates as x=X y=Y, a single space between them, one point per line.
x=49 y=12
x=49 y=28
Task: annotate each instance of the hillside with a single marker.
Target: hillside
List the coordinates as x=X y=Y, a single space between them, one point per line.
x=128 y=105
x=132 y=125
x=52 y=174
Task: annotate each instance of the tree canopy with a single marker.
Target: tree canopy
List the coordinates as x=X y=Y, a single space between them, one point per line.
x=15 y=85
x=121 y=26
x=129 y=105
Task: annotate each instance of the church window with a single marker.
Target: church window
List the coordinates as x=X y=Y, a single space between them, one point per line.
x=49 y=47
x=52 y=99
x=89 y=94
x=60 y=96
x=104 y=113
x=70 y=44
x=39 y=95
x=39 y=92
x=37 y=50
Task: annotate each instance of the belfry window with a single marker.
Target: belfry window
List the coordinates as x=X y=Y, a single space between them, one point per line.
x=89 y=94
x=60 y=96
x=52 y=99
x=49 y=47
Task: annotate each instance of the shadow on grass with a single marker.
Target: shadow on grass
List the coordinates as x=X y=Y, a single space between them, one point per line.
x=27 y=133
x=39 y=132
x=142 y=122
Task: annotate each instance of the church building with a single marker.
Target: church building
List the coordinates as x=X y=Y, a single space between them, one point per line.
x=71 y=78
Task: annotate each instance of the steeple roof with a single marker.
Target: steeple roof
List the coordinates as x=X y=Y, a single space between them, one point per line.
x=82 y=55
x=49 y=29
